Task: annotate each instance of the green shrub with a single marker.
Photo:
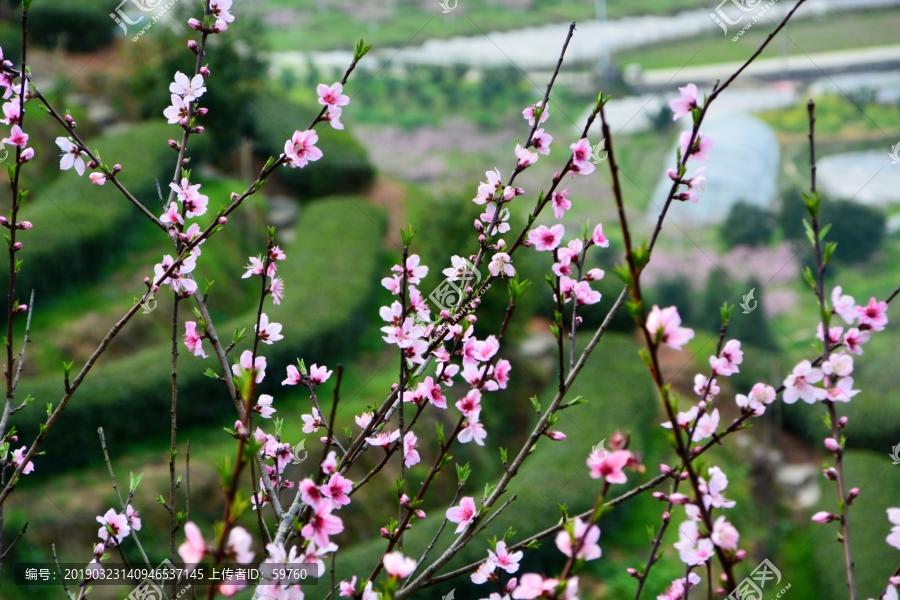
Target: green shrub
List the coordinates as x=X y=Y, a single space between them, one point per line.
x=85 y=24
x=344 y=168
x=326 y=301
x=77 y=224
x=747 y=225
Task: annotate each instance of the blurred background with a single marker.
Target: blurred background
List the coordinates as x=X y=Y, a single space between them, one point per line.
x=436 y=103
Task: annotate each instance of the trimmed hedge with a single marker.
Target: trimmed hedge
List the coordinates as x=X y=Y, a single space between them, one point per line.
x=344 y=168
x=85 y=23
x=75 y=221
x=326 y=301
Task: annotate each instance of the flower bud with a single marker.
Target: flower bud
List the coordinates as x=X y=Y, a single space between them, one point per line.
x=823 y=517
x=471 y=318
x=193 y=47
x=702 y=405
x=71 y=122
x=195 y=24
x=445 y=314
x=578 y=320
x=4 y=221
x=665 y=469
x=832 y=445
x=234 y=196
x=202 y=111
x=479 y=227
x=633 y=573
x=174 y=145
x=481 y=239
x=204 y=71
x=852 y=495
x=683 y=476
x=13 y=439
x=27 y=154
x=116 y=168
x=527 y=243
x=385 y=533
x=660 y=496
x=22 y=308
x=830 y=474
x=17 y=246
x=404 y=500
x=99 y=549
x=617 y=442
x=679 y=499
x=420 y=514
x=155 y=288
x=740 y=555
x=92 y=164
x=146 y=281
x=25 y=225
x=895 y=580
x=721 y=592
x=185 y=162
x=222 y=220
x=666 y=516
x=556 y=436
x=198 y=129
x=842 y=422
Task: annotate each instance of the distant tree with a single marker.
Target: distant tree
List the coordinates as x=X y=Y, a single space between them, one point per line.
x=747 y=225
x=858 y=229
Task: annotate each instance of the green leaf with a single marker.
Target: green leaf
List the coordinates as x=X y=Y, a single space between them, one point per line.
x=536 y=404
x=462 y=473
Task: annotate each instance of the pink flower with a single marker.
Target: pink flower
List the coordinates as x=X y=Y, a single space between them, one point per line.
x=364 y=419
x=17 y=457
x=219 y=8
x=71 y=156
x=583 y=538
x=17 y=137
x=276 y=288
x=470 y=404
x=501 y=263
x=188 y=89
x=541 y=141
x=873 y=315
x=665 y=325
x=399 y=566
x=333 y=117
x=383 y=438
x=113 y=524
x=321 y=525
x=239 y=545
x=311 y=422
x=838 y=364
x=700 y=149
x=193 y=549
x=329 y=465
x=676 y=590
x=268 y=332
x=501 y=373
x=581 y=152
x=98 y=178
x=525 y=157
x=337 y=489
x=172 y=215
x=843 y=306
x=11 y=112
x=473 y=430
x=264 y=406
x=610 y=467
x=712 y=491
x=256 y=267
x=842 y=391
x=695 y=185
x=134 y=517
x=247 y=364
x=319 y=375
x=462 y=514
x=503 y=558
x=488 y=216
x=598 y=238
x=760 y=396
x=301 y=148
x=484 y=571
x=684 y=105
x=799 y=384
x=193 y=339
x=487 y=190
x=561 y=203
x=693 y=549
x=724 y=535
x=546 y=238
x=332 y=96
x=177 y=112
x=194 y=202
x=894 y=517
x=702 y=385
x=432 y=391
x=706 y=426
x=410 y=454
x=854 y=340
x=529 y=112
x=532 y=585
x=310 y=493
x=834 y=334
x=293 y=376
x=584 y=295
x=348 y=588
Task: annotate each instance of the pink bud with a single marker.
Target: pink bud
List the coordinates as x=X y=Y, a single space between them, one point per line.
x=146 y=281
x=617 y=442
x=701 y=405
x=99 y=549
x=445 y=314
x=633 y=573
x=527 y=244
x=481 y=239
x=683 y=476
x=578 y=320
x=478 y=226
x=116 y=168
x=660 y=496
x=721 y=592
x=173 y=144
x=92 y=164
x=70 y=121
x=17 y=246
x=202 y=111
x=385 y=533
x=25 y=225
x=852 y=495
x=666 y=516
x=22 y=308
x=420 y=514
x=679 y=499
x=556 y=436
x=740 y=555
x=204 y=71
x=830 y=474
x=471 y=318
x=404 y=500
x=13 y=438
x=895 y=580
x=842 y=422
x=27 y=154
x=832 y=445
x=823 y=517
x=195 y=24
x=234 y=196
x=155 y=288
x=666 y=469
x=198 y=129
x=222 y=220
